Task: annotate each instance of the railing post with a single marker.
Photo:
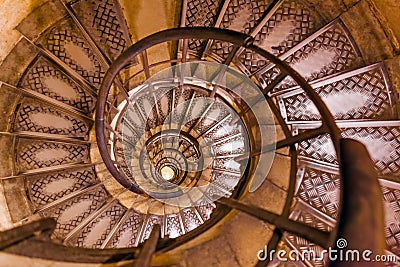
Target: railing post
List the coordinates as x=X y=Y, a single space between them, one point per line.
x=361 y=225
x=149 y=248
x=314 y=235
x=19 y=234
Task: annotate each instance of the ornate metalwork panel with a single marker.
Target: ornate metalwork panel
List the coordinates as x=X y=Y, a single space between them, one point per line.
x=305 y=215
x=71 y=213
x=391 y=196
x=95 y=233
x=233 y=145
x=228 y=164
x=289 y=23
x=222 y=131
x=191 y=219
x=205 y=209
x=216 y=190
x=199 y=13
x=216 y=113
x=361 y=94
x=104 y=21
x=47 y=188
x=191 y=110
x=127 y=234
x=321 y=190
x=36 y=154
x=317 y=185
x=326 y=52
x=242 y=16
x=45 y=78
x=164 y=103
x=382 y=142
x=66 y=42
x=146 y=106
x=174 y=225
x=34 y=117
x=225 y=180
x=149 y=224
x=181 y=101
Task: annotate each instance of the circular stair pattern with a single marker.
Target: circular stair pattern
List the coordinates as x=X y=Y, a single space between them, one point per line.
x=166 y=136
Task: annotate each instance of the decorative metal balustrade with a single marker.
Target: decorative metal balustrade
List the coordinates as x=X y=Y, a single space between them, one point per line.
x=187 y=122
x=109 y=132
x=167 y=158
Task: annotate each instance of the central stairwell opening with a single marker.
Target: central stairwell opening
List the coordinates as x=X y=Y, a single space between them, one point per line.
x=226 y=133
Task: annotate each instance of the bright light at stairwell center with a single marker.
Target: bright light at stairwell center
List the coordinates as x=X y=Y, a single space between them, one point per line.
x=167 y=173
x=210 y=123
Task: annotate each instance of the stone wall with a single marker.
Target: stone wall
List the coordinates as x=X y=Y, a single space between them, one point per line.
x=11 y=14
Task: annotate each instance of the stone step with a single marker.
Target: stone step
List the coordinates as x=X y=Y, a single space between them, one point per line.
x=380 y=137
x=362 y=94
x=104 y=22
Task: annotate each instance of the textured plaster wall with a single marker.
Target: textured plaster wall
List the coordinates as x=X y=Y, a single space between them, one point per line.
x=390 y=10
x=11 y=13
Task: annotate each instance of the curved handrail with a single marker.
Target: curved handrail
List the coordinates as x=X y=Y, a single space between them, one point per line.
x=236 y=38
x=361 y=218
x=233 y=37
x=20 y=233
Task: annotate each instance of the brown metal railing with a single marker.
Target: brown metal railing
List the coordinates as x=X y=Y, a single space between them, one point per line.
x=235 y=38
x=328 y=126
x=354 y=176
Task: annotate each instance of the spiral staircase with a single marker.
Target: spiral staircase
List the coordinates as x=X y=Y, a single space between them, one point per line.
x=76 y=60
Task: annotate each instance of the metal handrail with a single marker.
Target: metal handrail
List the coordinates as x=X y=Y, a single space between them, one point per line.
x=239 y=40
x=233 y=37
x=19 y=234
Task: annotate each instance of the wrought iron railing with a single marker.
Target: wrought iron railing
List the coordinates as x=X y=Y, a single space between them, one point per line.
x=358 y=177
